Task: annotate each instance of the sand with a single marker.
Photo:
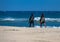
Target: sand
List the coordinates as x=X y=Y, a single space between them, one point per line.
x=21 y=34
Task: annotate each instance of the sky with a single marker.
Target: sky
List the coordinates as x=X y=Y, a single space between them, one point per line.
x=29 y=5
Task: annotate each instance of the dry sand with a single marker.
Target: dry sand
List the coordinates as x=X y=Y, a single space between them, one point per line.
x=21 y=34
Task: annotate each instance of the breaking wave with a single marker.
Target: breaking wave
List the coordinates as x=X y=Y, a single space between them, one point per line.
x=13 y=19
x=26 y=19
x=48 y=19
x=48 y=27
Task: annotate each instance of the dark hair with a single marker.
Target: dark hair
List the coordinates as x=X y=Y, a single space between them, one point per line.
x=42 y=15
x=32 y=14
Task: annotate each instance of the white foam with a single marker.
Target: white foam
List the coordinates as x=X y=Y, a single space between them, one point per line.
x=8 y=19
x=48 y=19
x=25 y=19
x=37 y=18
x=47 y=27
x=13 y=19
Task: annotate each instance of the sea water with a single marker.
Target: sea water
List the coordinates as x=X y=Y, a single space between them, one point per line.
x=21 y=18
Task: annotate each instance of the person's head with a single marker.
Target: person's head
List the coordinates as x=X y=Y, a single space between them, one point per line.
x=42 y=15
x=32 y=14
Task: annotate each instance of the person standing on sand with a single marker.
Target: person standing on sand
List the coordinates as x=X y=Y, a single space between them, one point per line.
x=31 y=20
x=42 y=20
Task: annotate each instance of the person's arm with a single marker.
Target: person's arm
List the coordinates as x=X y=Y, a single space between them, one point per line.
x=42 y=19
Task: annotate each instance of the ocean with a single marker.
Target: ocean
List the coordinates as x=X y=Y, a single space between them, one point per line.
x=21 y=18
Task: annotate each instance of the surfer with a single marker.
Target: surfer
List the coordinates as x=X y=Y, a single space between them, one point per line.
x=31 y=20
x=42 y=20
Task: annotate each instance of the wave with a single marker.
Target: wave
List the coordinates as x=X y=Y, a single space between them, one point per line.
x=48 y=19
x=48 y=27
x=13 y=19
x=26 y=19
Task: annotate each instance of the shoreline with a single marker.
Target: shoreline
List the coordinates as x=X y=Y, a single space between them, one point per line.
x=33 y=27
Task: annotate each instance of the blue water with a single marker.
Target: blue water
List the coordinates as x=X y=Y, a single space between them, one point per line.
x=20 y=18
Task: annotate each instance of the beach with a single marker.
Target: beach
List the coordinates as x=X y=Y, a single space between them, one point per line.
x=26 y=34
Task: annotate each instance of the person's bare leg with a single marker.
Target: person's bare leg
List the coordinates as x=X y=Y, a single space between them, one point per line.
x=29 y=24
x=33 y=24
x=45 y=25
x=41 y=25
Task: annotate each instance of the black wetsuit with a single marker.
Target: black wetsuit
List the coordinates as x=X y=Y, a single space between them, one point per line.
x=42 y=20
x=31 y=21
